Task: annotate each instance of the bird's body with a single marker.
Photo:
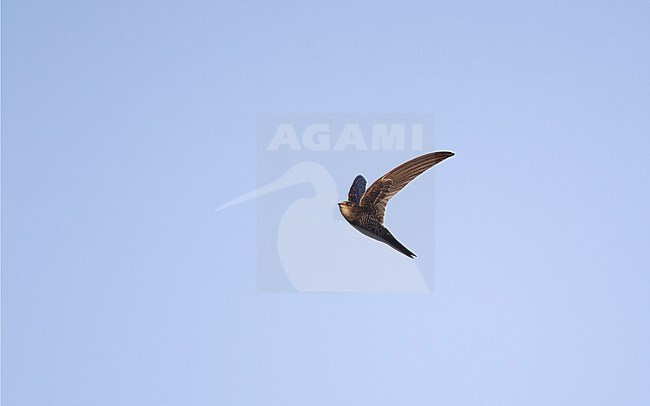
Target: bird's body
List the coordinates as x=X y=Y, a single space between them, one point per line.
x=364 y=209
x=366 y=221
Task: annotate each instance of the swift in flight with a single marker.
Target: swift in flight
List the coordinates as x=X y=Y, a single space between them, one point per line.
x=364 y=209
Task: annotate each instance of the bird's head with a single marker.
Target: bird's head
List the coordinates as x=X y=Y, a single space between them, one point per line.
x=346 y=208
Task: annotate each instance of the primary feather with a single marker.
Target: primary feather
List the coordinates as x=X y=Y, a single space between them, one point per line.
x=381 y=191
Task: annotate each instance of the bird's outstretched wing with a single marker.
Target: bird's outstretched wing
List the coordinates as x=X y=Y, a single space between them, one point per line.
x=380 y=192
x=357 y=189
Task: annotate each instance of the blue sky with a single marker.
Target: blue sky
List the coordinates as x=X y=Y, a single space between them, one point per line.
x=125 y=124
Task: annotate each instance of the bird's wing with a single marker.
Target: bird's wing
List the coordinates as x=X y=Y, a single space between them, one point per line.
x=380 y=192
x=357 y=189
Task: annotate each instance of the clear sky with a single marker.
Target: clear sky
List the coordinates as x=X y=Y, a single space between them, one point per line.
x=126 y=123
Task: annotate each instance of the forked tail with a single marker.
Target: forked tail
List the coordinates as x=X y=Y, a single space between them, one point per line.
x=392 y=241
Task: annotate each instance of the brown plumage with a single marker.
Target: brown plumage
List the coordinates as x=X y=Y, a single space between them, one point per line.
x=365 y=209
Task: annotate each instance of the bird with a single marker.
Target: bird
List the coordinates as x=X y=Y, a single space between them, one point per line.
x=364 y=209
